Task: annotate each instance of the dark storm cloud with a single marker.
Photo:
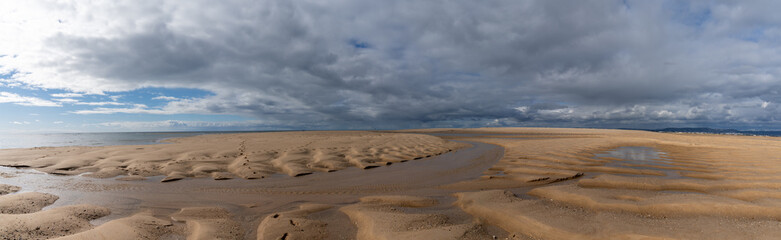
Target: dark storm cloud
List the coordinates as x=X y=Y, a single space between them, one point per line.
x=441 y=63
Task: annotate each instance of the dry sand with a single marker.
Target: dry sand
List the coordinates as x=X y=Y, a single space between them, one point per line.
x=700 y=186
x=224 y=156
x=542 y=184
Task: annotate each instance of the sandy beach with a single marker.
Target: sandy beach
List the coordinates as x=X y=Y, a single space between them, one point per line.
x=483 y=183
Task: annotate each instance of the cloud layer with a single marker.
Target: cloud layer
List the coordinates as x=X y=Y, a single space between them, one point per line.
x=393 y=64
x=7 y=97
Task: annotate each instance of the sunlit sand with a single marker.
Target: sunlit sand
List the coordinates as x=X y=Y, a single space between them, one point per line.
x=516 y=183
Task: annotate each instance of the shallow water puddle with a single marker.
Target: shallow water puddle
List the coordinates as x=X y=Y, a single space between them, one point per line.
x=641 y=158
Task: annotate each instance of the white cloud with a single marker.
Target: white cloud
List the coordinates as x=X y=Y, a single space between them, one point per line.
x=137 y=108
x=192 y=125
x=296 y=61
x=7 y=97
x=78 y=102
x=66 y=100
x=100 y=103
x=167 y=98
x=67 y=95
x=58 y=122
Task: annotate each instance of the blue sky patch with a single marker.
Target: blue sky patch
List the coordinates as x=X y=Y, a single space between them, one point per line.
x=42 y=110
x=7 y=75
x=159 y=96
x=753 y=35
x=684 y=13
x=359 y=44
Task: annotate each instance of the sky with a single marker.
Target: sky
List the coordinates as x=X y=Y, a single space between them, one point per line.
x=103 y=66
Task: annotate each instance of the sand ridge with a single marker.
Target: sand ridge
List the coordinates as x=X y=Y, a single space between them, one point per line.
x=27 y=202
x=389 y=217
x=22 y=217
x=208 y=223
x=138 y=226
x=546 y=219
x=225 y=156
x=295 y=224
x=728 y=183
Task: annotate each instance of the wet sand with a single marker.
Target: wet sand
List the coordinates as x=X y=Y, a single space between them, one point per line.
x=516 y=183
x=202 y=207
x=632 y=184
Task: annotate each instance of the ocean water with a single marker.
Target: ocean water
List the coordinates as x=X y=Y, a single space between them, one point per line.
x=720 y=131
x=16 y=140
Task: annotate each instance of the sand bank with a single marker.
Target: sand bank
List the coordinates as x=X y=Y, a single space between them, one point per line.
x=139 y=206
x=225 y=156
x=543 y=184
x=690 y=186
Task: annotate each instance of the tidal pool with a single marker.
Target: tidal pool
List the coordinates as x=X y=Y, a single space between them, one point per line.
x=641 y=158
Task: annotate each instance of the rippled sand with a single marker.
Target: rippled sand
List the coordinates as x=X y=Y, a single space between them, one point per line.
x=697 y=187
x=225 y=156
x=547 y=184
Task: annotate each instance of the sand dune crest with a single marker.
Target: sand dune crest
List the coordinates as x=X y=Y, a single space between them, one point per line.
x=27 y=202
x=50 y=223
x=138 y=226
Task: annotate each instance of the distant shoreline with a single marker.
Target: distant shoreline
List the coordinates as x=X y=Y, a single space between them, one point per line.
x=94 y=139
x=716 y=131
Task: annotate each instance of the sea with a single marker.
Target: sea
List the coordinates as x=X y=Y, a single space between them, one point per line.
x=719 y=131
x=29 y=140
